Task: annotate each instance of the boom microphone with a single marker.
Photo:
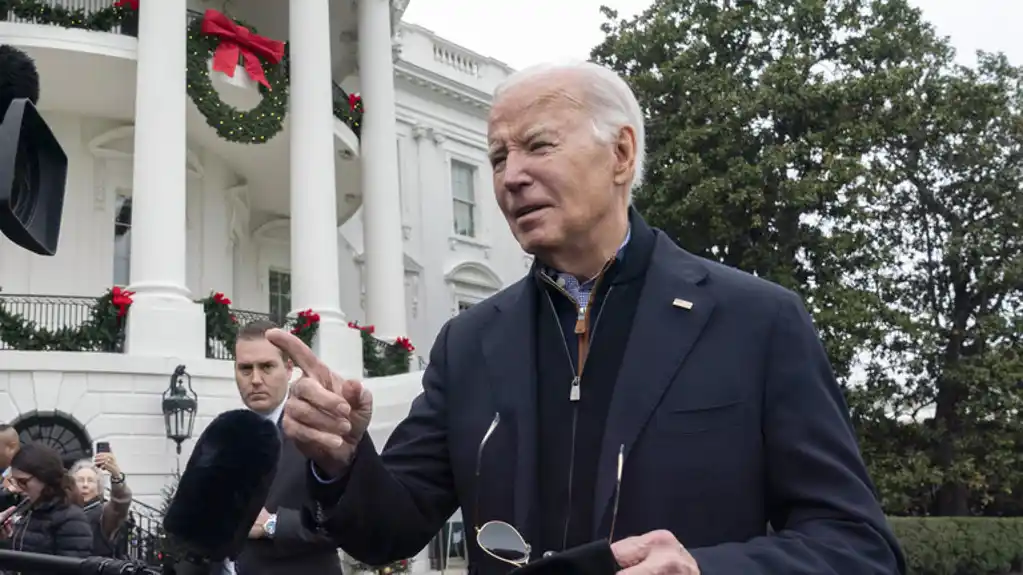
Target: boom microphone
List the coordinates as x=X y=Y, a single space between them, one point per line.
x=222 y=490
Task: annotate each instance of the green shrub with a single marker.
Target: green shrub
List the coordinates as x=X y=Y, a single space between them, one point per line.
x=961 y=545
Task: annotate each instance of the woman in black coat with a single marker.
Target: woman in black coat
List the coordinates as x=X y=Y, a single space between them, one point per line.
x=52 y=524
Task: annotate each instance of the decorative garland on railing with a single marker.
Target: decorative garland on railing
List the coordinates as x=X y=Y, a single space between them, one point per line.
x=103 y=331
x=222 y=325
x=45 y=12
x=227 y=42
x=105 y=328
x=380 y=358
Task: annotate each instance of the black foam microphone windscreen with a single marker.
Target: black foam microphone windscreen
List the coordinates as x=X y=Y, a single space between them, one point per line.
x=224 y=486
x=19 y=77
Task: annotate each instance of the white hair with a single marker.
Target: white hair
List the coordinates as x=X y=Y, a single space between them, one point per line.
x=88 y=464
x=611 y=102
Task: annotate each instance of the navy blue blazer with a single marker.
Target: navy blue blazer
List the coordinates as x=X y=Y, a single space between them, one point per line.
x=729 y=412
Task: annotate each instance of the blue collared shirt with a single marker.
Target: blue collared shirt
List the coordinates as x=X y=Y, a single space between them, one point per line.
x=581 y=291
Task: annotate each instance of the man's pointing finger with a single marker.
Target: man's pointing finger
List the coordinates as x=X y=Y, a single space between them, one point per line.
x=300 y=354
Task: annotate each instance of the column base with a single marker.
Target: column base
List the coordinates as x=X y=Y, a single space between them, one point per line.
x=165 y=325
x=339 y=346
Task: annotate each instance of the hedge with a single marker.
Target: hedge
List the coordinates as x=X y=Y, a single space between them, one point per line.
x=961 y=545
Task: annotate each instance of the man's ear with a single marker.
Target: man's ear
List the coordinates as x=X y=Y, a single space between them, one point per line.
x=625 y=156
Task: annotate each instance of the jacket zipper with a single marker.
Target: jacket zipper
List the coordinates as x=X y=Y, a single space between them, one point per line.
x=584 y=335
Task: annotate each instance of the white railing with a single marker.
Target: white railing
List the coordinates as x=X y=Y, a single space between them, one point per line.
x=462 y=62
x=85 y=6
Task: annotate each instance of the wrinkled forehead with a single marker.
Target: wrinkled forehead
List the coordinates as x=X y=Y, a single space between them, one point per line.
x=549 y=102
x=87 y=473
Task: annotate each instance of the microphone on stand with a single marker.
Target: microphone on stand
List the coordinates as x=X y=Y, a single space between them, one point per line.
x=221 y=492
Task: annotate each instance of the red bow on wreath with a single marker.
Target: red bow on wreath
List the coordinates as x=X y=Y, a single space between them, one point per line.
x=133 y=4
x=237 y=40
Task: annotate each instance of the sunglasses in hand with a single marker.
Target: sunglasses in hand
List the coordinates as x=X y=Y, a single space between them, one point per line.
x=500 y=539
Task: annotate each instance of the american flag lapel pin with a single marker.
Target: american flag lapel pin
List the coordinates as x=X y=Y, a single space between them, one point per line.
x=682 y=303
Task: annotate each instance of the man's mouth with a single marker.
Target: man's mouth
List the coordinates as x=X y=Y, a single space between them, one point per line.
x=526 y=210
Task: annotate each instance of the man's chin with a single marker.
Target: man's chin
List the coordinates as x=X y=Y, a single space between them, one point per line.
x=537 y=242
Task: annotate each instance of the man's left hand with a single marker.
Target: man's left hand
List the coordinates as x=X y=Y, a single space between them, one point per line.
x=258 y=529
x=657 y=552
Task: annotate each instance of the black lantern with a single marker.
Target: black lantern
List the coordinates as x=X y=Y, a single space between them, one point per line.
x=179 y=406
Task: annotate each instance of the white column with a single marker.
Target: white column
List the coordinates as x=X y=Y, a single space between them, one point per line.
x=163 y=320
x=381 y=201
x=314 y=229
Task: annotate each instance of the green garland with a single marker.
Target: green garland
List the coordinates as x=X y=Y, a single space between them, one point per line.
x=255 y=126
x=380 y=358
x=103 y=331
x=222 y=325
x=42 y=12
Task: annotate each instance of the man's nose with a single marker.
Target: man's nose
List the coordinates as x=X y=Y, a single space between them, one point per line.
x=516 y=175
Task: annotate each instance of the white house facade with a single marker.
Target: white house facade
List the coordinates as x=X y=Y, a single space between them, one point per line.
x=366 y=197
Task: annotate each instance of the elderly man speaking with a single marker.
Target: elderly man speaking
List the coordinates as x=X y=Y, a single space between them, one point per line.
x=624 y=389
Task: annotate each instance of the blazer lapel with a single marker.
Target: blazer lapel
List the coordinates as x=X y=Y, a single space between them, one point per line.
x=662 y=336
x=509 y=354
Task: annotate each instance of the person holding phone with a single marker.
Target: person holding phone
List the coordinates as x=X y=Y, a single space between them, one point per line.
x=107 y=517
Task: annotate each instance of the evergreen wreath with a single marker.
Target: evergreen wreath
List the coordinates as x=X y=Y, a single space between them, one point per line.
x=103 y=331
x=255 y=126
x=43 y=12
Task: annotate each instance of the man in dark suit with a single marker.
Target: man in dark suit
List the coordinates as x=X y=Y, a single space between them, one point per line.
x=708 y=384
x=278 y=542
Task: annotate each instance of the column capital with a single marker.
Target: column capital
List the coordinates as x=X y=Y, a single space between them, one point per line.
x=437 y=136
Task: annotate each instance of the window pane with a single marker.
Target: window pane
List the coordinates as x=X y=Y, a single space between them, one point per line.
x=462 y=181
x=122 y=241
x=280 y=296
x=465 y=224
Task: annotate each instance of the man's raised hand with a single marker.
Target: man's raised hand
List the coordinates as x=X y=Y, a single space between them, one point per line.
x=325 y=415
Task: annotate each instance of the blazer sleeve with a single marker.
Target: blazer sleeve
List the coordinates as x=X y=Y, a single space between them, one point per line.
x=72 y=534
x=821 y=501
x=291 y=532
x=390 y=505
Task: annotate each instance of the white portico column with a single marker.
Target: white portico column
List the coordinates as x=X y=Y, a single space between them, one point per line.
x=381 y=200
x=314 y=231
x=163 y=320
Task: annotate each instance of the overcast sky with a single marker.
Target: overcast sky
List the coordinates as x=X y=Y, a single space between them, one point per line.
x=524 y=32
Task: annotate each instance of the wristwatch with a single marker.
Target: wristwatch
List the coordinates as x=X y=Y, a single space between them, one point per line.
x=117 y=480
x=270 y=527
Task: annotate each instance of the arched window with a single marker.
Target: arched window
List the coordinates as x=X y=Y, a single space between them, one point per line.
x=122 y=241
x=57 y=431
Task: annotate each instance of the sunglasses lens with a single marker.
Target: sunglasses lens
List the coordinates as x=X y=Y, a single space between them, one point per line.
x=503 y=541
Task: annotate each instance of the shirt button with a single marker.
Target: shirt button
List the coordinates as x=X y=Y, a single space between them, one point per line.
x=561 y=281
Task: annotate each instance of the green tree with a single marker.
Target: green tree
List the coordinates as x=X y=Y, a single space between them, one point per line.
x=834 y=147
x=760 y=117
x=954 y=214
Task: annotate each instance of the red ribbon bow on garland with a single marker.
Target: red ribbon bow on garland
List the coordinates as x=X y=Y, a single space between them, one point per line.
x=354 y=100
x=133 y=4
x=121 y=299
x=238 y=41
